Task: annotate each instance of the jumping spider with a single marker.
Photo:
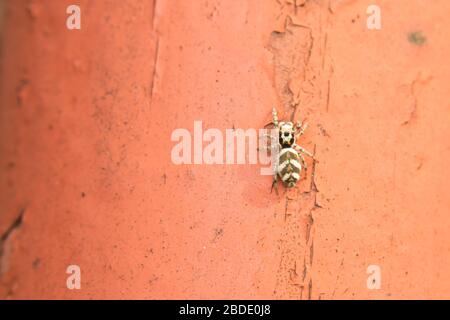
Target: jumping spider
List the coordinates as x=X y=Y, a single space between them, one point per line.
x=290 y=160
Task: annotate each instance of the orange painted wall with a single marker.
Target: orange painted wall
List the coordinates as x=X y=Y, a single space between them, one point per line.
x=86 y=176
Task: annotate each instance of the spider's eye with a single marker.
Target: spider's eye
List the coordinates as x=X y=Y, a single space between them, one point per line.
x=286 y=134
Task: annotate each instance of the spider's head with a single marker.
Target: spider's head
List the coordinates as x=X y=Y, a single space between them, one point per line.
x=287 y=134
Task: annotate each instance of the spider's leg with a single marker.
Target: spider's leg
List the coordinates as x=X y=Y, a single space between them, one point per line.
x=275 y=178
x=301 y=127
x=303 y=150
x=275 y=116
x=274 y=183
x=303 y=162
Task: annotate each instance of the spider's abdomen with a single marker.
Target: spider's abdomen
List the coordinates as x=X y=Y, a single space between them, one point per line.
x=289 y=167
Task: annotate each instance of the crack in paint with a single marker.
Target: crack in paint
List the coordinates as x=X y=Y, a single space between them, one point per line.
x=413 y=91
x=296 y=82
x=154 y=73
x=154 y=6
x=16 y=224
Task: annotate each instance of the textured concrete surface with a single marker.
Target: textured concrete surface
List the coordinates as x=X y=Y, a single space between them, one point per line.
x=86 y=176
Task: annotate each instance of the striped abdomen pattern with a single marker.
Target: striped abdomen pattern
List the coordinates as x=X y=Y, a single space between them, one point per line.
x=289 y=167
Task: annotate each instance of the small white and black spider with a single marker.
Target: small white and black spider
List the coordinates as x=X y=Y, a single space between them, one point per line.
x=290 y=160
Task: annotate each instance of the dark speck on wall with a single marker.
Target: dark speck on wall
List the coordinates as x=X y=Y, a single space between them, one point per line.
x=417 y=38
